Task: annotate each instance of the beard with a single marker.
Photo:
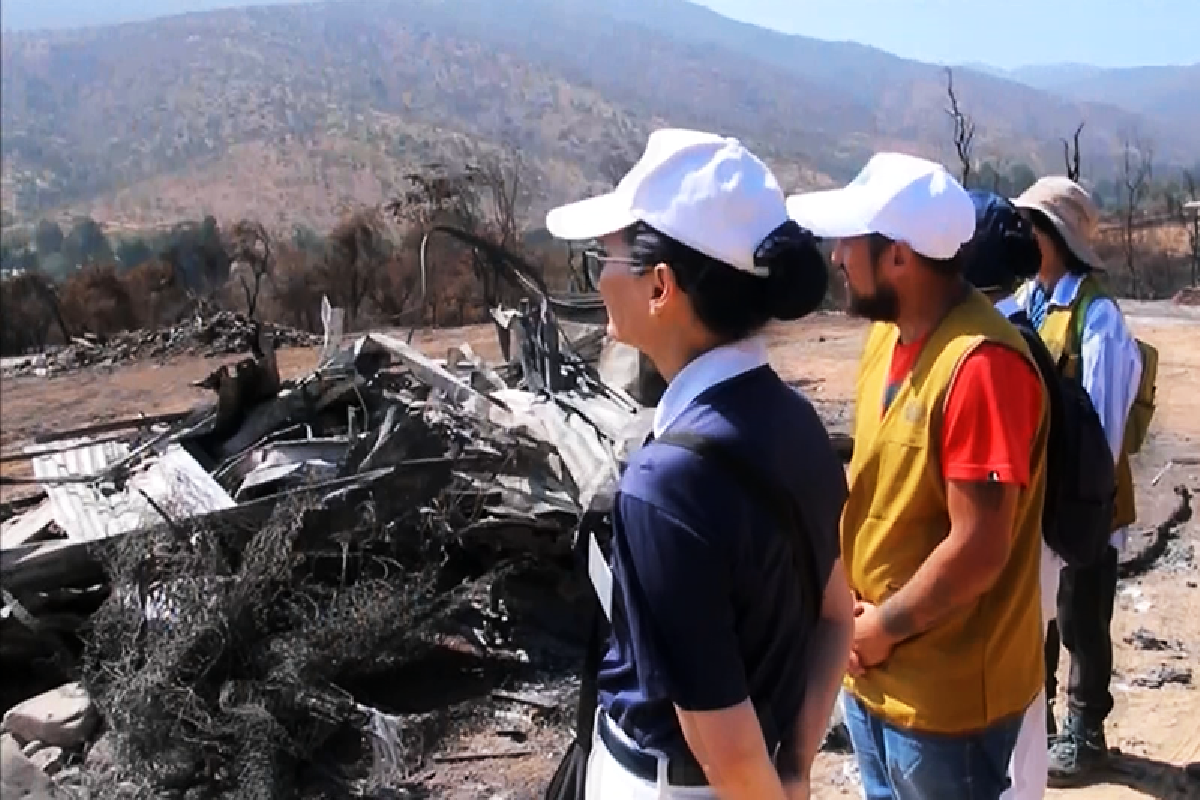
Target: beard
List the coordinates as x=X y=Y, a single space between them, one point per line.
x=883 y=305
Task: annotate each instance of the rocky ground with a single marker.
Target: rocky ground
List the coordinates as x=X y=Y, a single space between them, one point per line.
x=500 y=747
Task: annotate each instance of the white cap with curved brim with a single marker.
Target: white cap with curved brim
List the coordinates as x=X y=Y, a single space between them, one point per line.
x=905 y=198
x=703 y=190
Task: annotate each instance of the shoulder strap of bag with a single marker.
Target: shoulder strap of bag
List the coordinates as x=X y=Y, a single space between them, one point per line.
x=1089 y=290
x=765 y=493
x=568 y=782
x=768 y=495
x=585 y=715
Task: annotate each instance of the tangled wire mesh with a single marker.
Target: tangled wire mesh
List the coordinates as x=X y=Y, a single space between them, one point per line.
x=217 y=665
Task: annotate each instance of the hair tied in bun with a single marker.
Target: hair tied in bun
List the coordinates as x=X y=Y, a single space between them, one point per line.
x=797 y=276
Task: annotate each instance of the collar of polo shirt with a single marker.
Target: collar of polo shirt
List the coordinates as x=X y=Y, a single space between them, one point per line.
x=705 y=371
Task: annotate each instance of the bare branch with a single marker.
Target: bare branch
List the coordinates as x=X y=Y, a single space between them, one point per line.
x=964 y=128
x=251 y=252
x=1191 y=222
x=357 y=247
x=1071 y=154
x=1136 y=172
x=505 y=176
x=440 y=197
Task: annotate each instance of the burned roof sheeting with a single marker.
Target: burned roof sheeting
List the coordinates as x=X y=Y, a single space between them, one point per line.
x=264 y=555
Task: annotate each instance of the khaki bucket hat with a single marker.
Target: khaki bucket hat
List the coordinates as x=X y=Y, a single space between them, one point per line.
x=1070 y=210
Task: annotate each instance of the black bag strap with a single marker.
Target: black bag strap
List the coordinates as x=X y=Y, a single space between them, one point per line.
x=585 y=713
x=767 y=494
x=597 y=518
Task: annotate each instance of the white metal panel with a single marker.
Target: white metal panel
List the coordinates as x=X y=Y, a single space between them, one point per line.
x=96 y=510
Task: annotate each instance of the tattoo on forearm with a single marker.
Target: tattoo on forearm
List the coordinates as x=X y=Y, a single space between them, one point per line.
x=903 y=615
x=938 y=589
x=897 y=619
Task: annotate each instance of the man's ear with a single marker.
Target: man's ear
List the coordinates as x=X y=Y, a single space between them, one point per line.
x=902 y=258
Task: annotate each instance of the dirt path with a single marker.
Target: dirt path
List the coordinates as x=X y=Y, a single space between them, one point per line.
x=1156 y=730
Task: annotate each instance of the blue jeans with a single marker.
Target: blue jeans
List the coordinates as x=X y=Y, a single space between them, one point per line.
x=896 y=764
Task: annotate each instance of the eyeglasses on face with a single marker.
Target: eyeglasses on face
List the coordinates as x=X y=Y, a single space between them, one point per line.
x=594 y=259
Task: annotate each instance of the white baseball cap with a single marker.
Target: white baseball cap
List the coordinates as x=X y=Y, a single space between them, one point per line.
x=905 y=198
x=703 y=190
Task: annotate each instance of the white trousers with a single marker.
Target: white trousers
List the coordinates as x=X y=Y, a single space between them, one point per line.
x=1031 y=757
x=608 y=780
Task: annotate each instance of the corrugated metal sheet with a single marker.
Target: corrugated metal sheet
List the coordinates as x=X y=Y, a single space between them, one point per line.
x=93 y=511
x=71 y=502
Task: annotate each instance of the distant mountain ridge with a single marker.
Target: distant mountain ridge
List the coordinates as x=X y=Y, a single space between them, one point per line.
x=1169 y=95
x=295 y=112
x=34 y=15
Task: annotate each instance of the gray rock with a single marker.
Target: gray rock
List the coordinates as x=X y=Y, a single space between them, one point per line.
x=49 y=759
x=20 y=778
x=69 y=777
x=64 y=717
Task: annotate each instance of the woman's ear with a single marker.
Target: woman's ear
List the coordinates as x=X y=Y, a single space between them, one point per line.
x=663 y=283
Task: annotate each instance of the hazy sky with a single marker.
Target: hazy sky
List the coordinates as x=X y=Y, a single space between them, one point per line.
x=1003 y=33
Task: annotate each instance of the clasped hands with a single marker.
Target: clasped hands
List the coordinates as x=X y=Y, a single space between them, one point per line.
x=872 y=643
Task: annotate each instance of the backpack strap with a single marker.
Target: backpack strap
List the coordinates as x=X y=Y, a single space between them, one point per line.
x=1088 y=291
x=767 y=494
x=585 y=712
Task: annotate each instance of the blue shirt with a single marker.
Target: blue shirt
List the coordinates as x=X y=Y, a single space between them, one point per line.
x=707 y=603
x=1110 y=364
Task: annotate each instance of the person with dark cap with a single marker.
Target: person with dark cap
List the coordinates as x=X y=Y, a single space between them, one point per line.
x=1002 y=255
x=1084 y=329
x=724 y=659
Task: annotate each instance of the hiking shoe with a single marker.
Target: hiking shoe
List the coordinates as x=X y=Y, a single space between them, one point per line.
x=1077 y=754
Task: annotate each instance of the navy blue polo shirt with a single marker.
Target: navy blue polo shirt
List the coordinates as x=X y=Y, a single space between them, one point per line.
x=707 y=605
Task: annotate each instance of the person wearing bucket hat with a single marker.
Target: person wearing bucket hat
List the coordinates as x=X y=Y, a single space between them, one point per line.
x=942 y=527
x=1085 y=332
x=723 y=661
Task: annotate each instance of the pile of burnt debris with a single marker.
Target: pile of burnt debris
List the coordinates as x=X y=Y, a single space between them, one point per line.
x=209 y=334
x=224 y=602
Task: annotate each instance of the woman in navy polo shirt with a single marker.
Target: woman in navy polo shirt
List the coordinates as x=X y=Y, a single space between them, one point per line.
x=717 y=681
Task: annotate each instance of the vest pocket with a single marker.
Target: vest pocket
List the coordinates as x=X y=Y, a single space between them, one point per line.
x=887 y=555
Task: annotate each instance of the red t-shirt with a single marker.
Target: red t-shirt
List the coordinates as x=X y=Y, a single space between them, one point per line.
x=992 y=413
